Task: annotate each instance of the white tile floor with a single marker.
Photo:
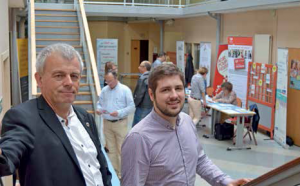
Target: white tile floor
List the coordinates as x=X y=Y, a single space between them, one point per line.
x=244 y=163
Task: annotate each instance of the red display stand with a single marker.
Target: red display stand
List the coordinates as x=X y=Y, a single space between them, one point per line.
x=261 y=89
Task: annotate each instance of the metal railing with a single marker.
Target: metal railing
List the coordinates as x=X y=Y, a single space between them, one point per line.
x=31 y=50
x=89 y=57
x=151 y=3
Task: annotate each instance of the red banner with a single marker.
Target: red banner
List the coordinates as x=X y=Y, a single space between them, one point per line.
x=221 y=70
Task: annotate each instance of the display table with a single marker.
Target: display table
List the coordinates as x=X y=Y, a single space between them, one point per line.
x=233 y=111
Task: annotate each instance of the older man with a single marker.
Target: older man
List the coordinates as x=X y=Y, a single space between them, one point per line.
x=163 y=149
x=141 y=97
x=115 y=104
x=47 y=139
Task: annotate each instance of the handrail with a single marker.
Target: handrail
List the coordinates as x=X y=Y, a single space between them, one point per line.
x=90 y=47
x=132 y=4
x=179 y=5
x=32 y=49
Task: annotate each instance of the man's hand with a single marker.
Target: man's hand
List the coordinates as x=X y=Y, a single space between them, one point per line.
x=0 y=151
x=239 y=182
x=114 y=114
x=204 y=103
x=98 y=112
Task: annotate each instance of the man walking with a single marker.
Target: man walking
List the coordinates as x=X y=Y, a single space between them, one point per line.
x=141 y=97
x=50 y=141
x=163 y=149
x=115 y=104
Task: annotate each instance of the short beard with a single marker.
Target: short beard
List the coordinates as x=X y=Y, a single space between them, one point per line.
x=166 y=113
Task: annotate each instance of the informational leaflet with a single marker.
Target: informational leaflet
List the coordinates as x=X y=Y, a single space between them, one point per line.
x=239 y=49
x=205 y=59
x=107 y=50
x=281 y=97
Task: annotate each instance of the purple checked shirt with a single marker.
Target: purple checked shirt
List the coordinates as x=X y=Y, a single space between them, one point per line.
x=155 y=154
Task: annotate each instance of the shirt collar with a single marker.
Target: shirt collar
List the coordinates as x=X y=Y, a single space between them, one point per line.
x=71 y=114
x=163 y=121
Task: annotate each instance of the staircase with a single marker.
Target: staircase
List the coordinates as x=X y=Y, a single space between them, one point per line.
x=54 y=25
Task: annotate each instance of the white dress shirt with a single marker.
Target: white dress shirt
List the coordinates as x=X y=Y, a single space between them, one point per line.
x=118 y=99
x=84 y=149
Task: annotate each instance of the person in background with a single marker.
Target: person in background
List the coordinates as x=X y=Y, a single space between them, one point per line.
x=49 y=140
x=109 y=66
x=143 y=103
x=197 y=94
x=168 y=60
x=227 y=95
x=115 y=104
x=164 y=149
x=189 y=69
x=161 y=57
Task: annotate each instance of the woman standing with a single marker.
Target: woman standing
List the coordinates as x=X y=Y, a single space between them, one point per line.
x=197 y=94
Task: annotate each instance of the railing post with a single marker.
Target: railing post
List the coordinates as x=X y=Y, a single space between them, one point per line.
x=179 y=3
x=132 y=3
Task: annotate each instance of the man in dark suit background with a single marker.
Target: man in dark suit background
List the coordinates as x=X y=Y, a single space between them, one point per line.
x=49 y=141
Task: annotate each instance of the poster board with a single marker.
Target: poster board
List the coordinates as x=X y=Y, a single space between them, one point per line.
x=221 y=70
x=293 y=102
x=239 y=51
x=205 y=59
x=22 y=46
x=107 y=50
x=261 y=89
x=281 y=97
x=180 y=56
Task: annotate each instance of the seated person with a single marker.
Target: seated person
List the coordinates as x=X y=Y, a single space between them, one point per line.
x=227 y=95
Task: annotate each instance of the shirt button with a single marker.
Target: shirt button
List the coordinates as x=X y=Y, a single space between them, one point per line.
x=89 y=165
x=81 y=145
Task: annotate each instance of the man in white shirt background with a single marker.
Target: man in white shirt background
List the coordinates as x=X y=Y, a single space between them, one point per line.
x=115 y=104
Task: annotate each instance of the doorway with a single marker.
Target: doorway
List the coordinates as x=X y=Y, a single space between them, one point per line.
x=139 y=53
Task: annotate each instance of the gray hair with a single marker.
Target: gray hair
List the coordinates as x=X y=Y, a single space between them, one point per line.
x=64 y=50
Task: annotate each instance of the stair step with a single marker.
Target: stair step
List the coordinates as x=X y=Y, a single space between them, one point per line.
x=56 y=10
x=57 y=21
x=85 y=84
x=83 y=102
x=91 y=111
x=45 y=39
x=43 y=46
x=55 y=15
x=58 y=33
x=84 y=93
x=57 y=27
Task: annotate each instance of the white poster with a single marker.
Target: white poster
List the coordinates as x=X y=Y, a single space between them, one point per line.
x=180 y=55
x=205 y=59
x=281 y=97
x=239 y=55
x=107 y=50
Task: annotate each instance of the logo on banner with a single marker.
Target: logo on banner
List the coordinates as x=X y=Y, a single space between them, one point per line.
x=222 y=63
x=239 y=63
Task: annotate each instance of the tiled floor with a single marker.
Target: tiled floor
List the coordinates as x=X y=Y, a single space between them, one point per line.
x=244 y=163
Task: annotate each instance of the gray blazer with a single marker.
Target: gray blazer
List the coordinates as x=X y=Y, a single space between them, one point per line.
x=141 y=96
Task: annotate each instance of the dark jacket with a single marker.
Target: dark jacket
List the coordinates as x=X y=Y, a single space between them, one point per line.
x=189 y=69
x=141 y=96
x=34 y=142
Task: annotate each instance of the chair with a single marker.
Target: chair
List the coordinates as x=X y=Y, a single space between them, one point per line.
x=239 y=102
x=251 y=124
